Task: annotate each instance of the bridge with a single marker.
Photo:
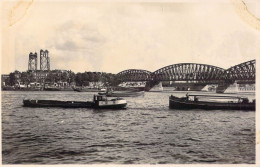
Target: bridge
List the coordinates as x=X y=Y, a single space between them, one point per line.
x=134 y=75
x=189 y=72
x=241 y=72
x=192 y=72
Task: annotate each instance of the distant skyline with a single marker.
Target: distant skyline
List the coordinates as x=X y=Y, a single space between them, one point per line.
x=115 y=36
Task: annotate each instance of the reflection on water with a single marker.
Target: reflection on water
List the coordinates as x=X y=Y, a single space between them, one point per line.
x=146 y=132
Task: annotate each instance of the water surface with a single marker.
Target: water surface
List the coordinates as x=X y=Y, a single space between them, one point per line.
x=147 y=132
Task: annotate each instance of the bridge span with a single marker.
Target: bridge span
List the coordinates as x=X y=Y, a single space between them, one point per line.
x=202 y=74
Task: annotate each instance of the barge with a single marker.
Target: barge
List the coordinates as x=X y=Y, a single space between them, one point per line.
x=208 y=102
x=122 y=93
x=99 y=101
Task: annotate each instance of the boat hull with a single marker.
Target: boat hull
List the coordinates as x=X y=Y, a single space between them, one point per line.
x=183 y=103
x=71 y=104
x=115 y=103
x=56 y=103
x=52 y=89
x=124 y=94
x=85 y=90
x=118 y=106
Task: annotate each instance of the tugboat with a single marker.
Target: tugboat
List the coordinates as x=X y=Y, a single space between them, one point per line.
x=209 y=102
x=99 y=101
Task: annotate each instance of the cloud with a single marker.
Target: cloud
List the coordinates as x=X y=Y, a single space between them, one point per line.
x=74 y=41
x=112 y=37
x=74 y=35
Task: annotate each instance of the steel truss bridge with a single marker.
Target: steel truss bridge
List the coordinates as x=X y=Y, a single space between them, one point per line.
x=192 y=72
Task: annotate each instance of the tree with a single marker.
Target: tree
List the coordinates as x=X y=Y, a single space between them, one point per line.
x=91 y=76
x=25 y=78
x=12 y=78
x=71 y=77
x=95 y=77
x=78 y=79
x=64 y=77
x=50 y=78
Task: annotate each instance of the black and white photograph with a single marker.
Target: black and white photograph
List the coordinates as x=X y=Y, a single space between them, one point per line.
x=120 y=82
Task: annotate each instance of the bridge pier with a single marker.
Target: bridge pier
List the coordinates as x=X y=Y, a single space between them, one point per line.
x=157 y=88
x=235 y=87
x=188 y=86
x=222 y=86
x=150 y=84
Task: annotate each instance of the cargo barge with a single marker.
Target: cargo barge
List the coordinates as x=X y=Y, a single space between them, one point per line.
x=208 y=102
x=99 y=101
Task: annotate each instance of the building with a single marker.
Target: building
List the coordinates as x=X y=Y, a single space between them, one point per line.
x=5 y=79
x=40 y=75
x=96 y=84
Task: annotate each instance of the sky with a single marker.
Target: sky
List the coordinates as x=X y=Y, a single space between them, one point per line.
x=114 y=36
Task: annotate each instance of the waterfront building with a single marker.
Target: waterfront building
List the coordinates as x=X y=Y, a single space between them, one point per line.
x=41 y=75
x=98 y=84
x=5 y=79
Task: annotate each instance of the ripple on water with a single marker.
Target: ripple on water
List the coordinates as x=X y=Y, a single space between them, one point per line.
x=147 y=132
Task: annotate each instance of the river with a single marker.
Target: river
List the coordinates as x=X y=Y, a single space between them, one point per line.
x=147 y=132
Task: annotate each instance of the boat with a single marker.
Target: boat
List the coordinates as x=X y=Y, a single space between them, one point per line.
x=52 y=89
x=122 y=93
x=139 y=86
x=209 y=102
x=86 y=89
x=99 y=101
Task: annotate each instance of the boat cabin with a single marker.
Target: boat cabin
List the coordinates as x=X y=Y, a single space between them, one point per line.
x=243 y=100
x=99 y=98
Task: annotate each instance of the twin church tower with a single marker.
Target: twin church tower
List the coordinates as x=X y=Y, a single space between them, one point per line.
x=44 y=61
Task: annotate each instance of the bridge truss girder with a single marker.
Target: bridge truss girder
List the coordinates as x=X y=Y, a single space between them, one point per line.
x=243 y=72
x=134 y=75
x=192 y=72
x=188 y=72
